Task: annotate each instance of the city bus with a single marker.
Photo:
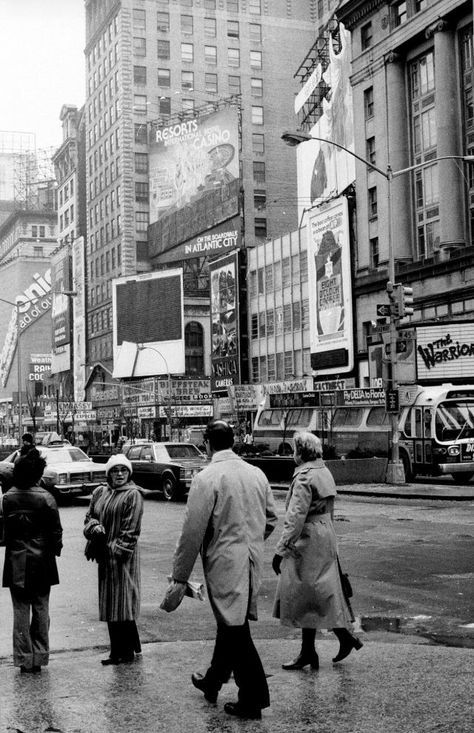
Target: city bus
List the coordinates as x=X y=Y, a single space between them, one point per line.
x=436 y=427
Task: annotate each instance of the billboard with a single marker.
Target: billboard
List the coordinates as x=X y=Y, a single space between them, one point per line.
x=213 y=242
x=194 y=177
x=228 y=311
x=330 y=289
x=79 y=319
x=148 y=312
x=324 y=169
x=32 y=303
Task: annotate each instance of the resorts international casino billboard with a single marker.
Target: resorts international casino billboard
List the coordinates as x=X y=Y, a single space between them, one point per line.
x=194 y=177
x=225 y=323
x=330 y=289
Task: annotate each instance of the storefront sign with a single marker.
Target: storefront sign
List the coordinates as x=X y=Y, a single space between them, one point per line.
x=149 y=412
x=445 y=351
x=360 y=397
x=305 y=384
x=332 y=384
x=187 y=411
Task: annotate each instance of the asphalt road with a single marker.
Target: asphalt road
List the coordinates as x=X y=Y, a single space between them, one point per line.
x=410 y=562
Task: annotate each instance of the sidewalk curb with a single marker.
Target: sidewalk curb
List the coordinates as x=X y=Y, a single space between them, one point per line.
x=429 y=493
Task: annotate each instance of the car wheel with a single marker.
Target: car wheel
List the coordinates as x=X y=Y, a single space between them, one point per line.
x=169 y=486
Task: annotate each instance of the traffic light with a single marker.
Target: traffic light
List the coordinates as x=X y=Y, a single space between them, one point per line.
x=401 y=300
x=405 y=299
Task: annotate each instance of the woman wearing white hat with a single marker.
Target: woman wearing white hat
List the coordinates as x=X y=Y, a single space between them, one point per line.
x=113 y=521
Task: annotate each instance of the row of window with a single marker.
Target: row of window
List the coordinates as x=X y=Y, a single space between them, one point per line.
x=66 y=192
x=278 y=275
x=105 y=263
x=105 y=234
x=187 y=27
x=103 y=42
x=100 y=349
x=400 y=12
x=280 y=366
x=286 y=318
x=187 y=84
x=66 y=218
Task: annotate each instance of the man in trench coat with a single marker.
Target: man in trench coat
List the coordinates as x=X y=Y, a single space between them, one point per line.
x=230 y=512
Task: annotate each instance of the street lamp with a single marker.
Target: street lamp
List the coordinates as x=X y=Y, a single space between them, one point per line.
x=144 y=347
x=17 y=305
x=395 y=472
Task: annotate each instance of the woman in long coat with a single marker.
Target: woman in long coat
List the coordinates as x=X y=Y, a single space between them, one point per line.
x=112 y=525
x=309 y=593
x=33 y=539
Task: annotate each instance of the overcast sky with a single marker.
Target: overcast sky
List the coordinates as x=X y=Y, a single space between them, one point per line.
x=41 y=65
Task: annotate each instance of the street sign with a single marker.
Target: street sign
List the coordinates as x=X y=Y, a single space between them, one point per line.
x=392 y=401
x=383 y=309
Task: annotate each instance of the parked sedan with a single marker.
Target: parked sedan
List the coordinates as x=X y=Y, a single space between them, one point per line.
x=167 y=468
x=69 y=471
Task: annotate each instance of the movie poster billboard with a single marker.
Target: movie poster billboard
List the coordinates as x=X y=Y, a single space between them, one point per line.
x=330 y=289
x=79 y=319
x=194 y=176
x=322 y=168
x=148 y=324
x=225 y=362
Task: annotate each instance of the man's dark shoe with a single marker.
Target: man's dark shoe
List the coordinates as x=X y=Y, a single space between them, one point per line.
x=210 y=691
x=242 y=711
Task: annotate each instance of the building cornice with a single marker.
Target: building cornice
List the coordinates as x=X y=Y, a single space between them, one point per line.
x=354 y=11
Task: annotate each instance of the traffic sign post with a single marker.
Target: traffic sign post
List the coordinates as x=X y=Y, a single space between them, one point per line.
x=392 y=401
x=383 y=310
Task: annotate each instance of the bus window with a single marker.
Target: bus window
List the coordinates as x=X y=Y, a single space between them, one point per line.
x=407 y=426
x=418 y=431
x=300 y=417
x=427 y=423
x=378 y=417
x=270 y=417
x=347 y=417
x=454 y=420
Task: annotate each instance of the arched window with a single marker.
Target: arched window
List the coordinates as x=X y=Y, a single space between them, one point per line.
x=194 y=348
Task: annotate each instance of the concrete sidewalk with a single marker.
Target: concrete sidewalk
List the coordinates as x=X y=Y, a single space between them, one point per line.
x=404 y=685
x=407 y=491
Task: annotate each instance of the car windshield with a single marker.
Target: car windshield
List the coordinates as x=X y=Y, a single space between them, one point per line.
x=183 y=450
x=65 y=455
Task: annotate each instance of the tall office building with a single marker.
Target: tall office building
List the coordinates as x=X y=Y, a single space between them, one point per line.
x=157 y=61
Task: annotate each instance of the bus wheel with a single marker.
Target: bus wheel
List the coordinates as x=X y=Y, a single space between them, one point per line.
x=462 y=478
x=406 y=467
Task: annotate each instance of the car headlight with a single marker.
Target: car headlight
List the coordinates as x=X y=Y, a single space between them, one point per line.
x=453 y=450
x=62 y=478
x=189 y=473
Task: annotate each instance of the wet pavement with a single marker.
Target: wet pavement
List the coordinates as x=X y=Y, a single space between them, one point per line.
x=403 y=685
x=429 y=491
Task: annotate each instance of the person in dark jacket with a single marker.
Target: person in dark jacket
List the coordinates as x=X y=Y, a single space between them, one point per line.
x=27 y=444
x=33 y=540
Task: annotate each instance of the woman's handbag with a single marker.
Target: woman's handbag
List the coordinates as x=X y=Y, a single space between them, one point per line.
x=95 y=548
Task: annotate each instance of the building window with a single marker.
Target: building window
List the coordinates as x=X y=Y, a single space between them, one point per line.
x=399 y=13
x=139 y=104
x=270 y=322
x=210 y=4
x=233 y=28
x=234 y=84
x=258 y=171
x=372 y=201
x=254 y=326
x=366 y=36
x=370 y=150
x=257 y=115
x=141 y=221
x=141 y=191
x=186 y=3
x=256 y=86
x=369 y=103
x=258 y=143
x=261 y=325
x=163 y=21
x=141 y=165
x=188 y=105
x=374 y=252
x=232 y=6
x=186 y=24
x=210 y=83
x=255 y=32
x=164 y=106
x=164 y=78
x=164 y=50
x=194 y=348
x=255 y=7
x=255 y=374
x=187 y=52
x=139 y=46
x=259 y=200
x=296 y=315
x=139 y=19
x=210 y=55
x=256 y=59
x=140 y=133
x=210 y=27
x=187 y=80
x=233 y=56
x=260 y=227
x=139 y=75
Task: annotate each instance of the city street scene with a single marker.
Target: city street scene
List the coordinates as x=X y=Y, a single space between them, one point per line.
x=237 y=305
